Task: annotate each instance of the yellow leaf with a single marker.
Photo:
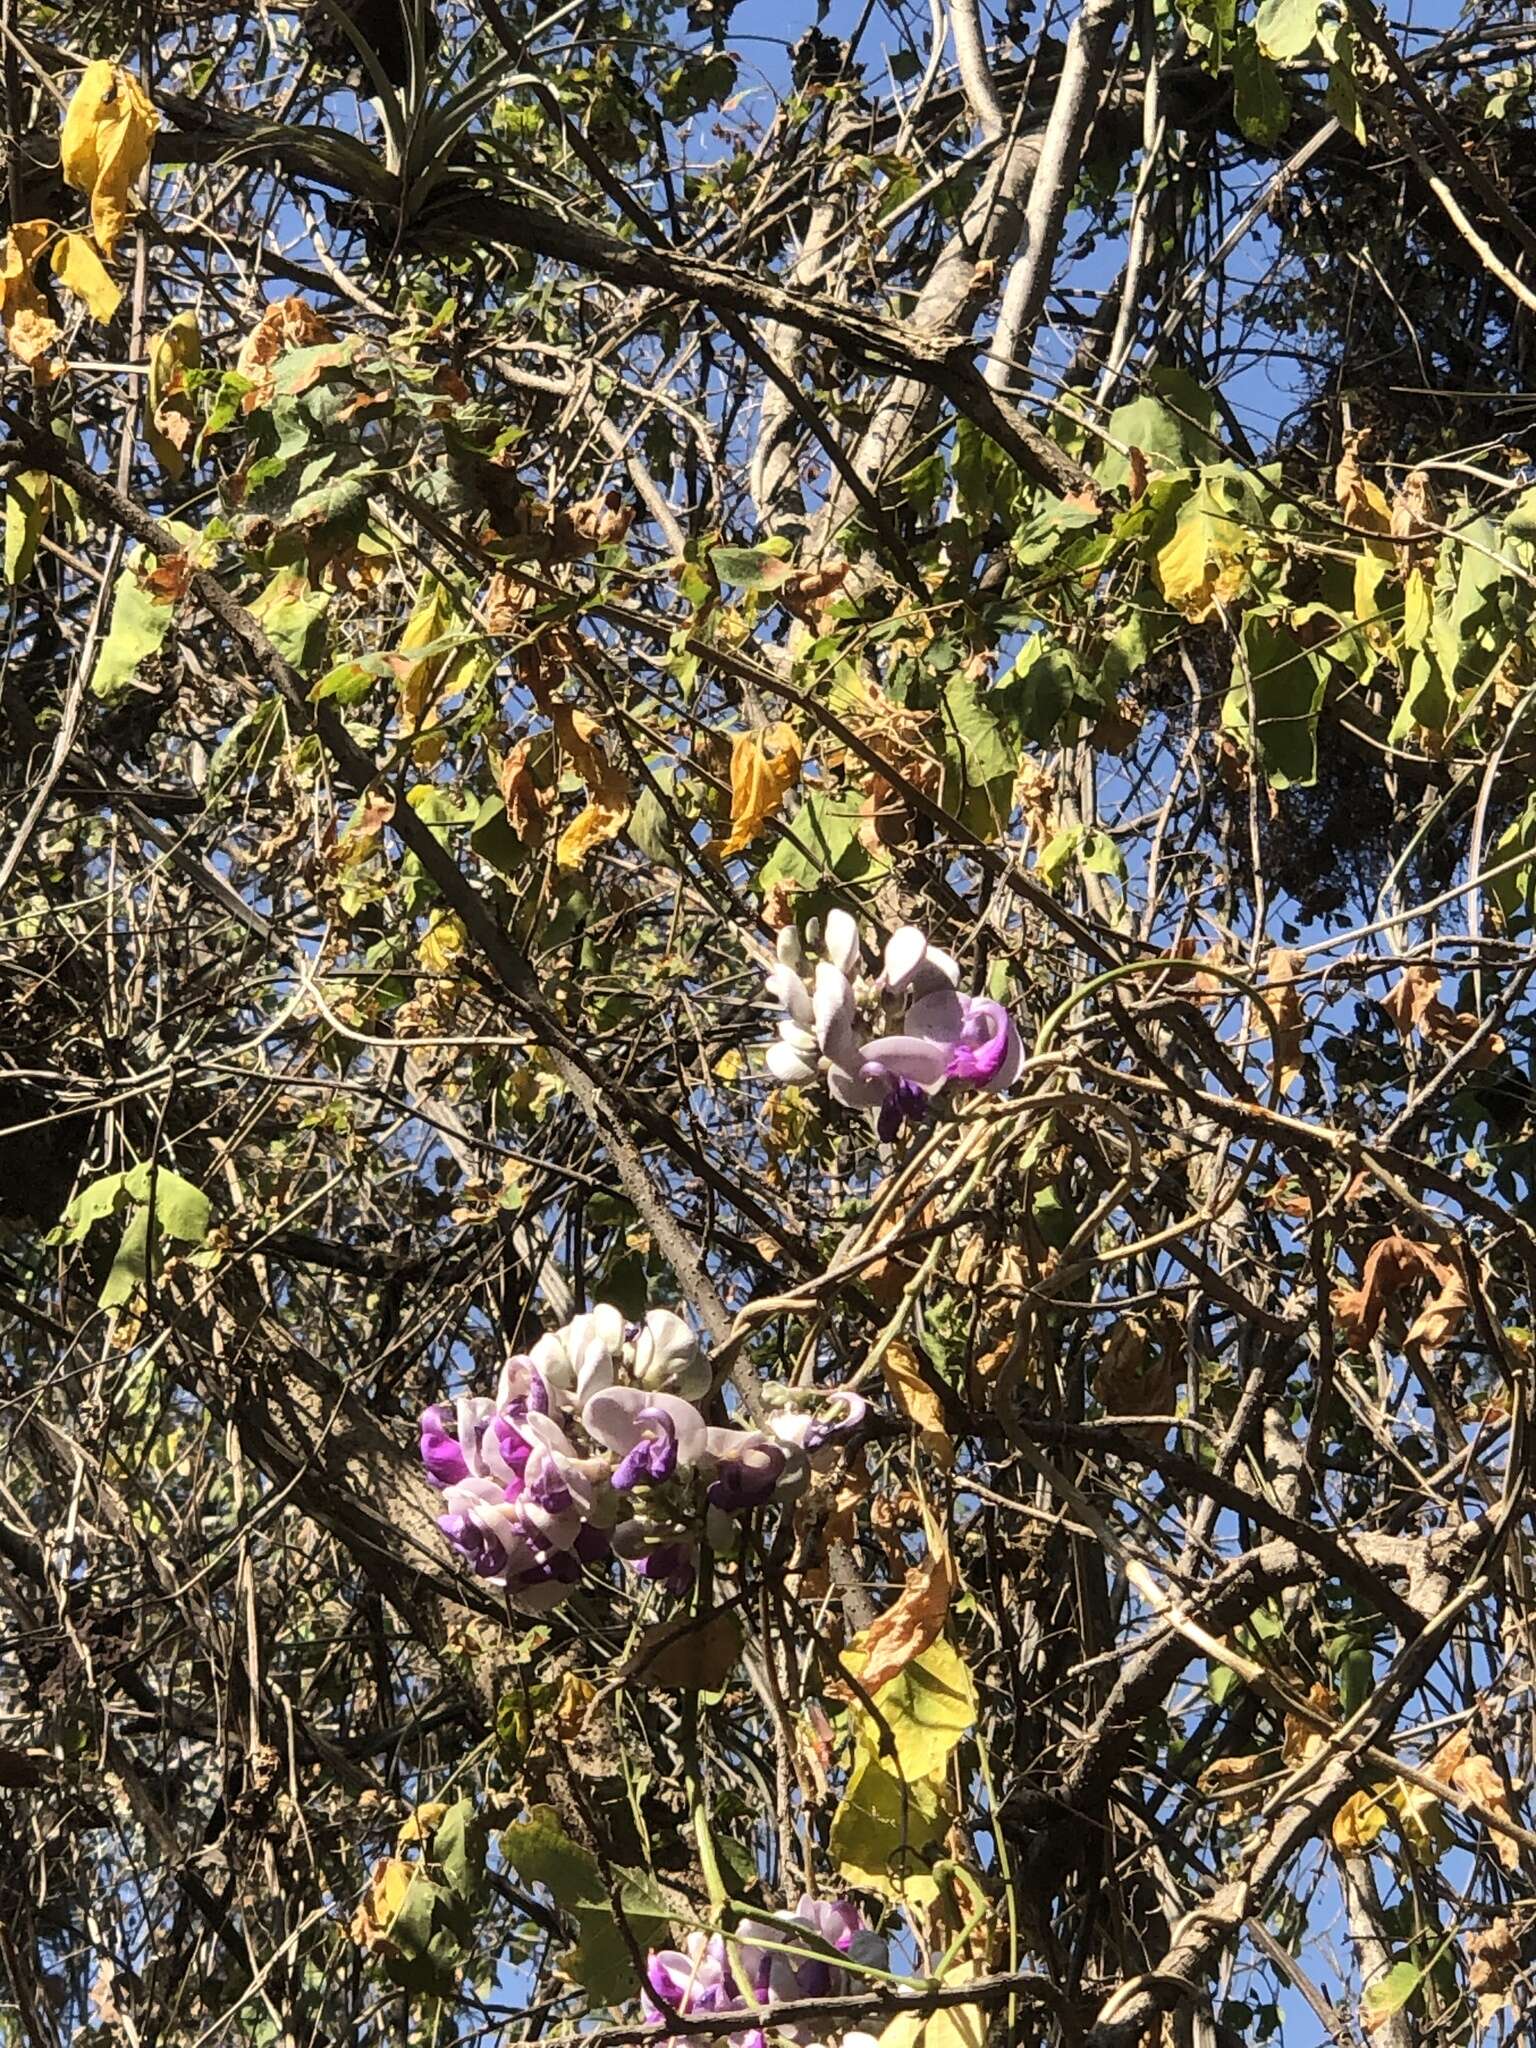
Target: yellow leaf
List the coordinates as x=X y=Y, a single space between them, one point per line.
x=887 y=1835
x=764 y=767
x=1359 y=1822
x=917 y=1400
x=952 y=2026
x=386 y=1894
x=590 y=827
x=422 y=681
x=927 y=1706
x=81 y=271
x=30 y=329
x=1420 y=1820
x=105 y=145
x=422 y=1825
x=442 y=944
x=171 y=417
x=1204 y=563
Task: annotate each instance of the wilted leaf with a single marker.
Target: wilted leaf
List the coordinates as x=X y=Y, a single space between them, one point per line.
x=170 y=414
x=689 y=1655
x=907 y=1629
x=1392 y=1264
x=30 y=329
x=916 y=1399
x=1290 y=1023
x=1493 y=1959
x=108 y=129
x=1136 y=1375
x=1476 y=1778
x=1414 y=1005
x=520 y=794
x=79 y=269
x=765 y=766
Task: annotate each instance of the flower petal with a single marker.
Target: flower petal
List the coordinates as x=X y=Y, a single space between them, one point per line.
x=791 y=993
x=840 y=942
x=903 y=1058
x=904 y=953
x=786 y=1064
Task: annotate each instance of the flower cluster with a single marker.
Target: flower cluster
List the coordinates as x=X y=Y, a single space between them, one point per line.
x=928 y=1035
x=596 y=1446
x=803 y=1957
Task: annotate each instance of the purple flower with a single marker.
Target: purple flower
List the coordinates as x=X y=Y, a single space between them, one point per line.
x=935 y=1036
x=813 y=1420
x=747 y=1470
x=988 y=1053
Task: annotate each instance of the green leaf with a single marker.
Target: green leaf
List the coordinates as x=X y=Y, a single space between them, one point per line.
x=26 y=513
x=290 y=613
x=541 y=1853
x=1287 y=683
x=762 y=568
x=1287 y=30
x=348 y=683
x=986 y=758
x=130 y=1264
x=493 y=838
x=825 y=842
x=1146 y=424
x=1259 y=99
x=181 y=1210
x=459 y=1847
x=93 y=1205
x=1389 y=1994
x=1040 y=689
x=140 y=622
x=1342 y=98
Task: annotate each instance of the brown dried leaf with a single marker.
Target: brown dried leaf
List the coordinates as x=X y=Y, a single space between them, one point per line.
x=917 y=1401
x=1392 y=1264
x=1235 y=1779
x=286 y=324
x=1136 y=1376
x=1290 y=1023
x=1301 y=1741
x=520 y=794
x=1493 y=1958
x=916 y=1621
x=30 y=329
x=1413 y=511
x=1414 y=1005
x=688 y=1655
x=1477 y=1780
x=167 y=581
